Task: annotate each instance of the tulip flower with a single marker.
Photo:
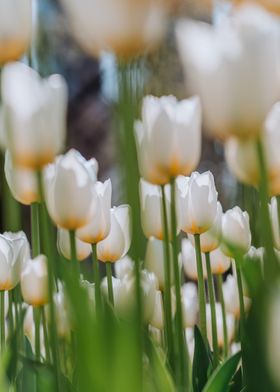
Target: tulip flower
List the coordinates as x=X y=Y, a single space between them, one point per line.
x=124 y=27
x=62 y=315
x=157 y=319
x=235 y=231
x=99 y=226
x=69 y=191
x=124 y=266
x=220 y=331
x=220 y=263
x=21 y=181
x=189 y=305
x=20 y=246
x=117 y=243
x=169 y=138
x=189 y=261
x=34 y=281
x=218 y=61
x=15 y=29
x=83 y=250
x=210 y=240
x=35 y=113
x=29 y=331
x=200 y=204
x=231 y=297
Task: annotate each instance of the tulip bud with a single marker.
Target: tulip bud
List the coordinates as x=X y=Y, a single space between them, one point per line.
x=21 y=181
x=117 y=243
x=83 y=250
x=230 y=322
x=99 y=226
x=235 y=231
x=34 y=281
x=15 y=29
x=69 y=191
x=200 y=207
x=124 y=266
x=189 y=261
x=157 y=319
x=35 y=112
x=189 y=305
x=220 y=263
x=20 y=246
x=169 y=138
x=210 y=240
x=231 y=297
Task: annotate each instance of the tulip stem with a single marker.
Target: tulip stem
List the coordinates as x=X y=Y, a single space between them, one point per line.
x=222 y=301
x=2 y=314
x=35 y=229
x=45 y=330
x=167 y=278
x=96 y=277
x=242 y=314
x=110 y=283
x=181 y=342
x=213 y=309
x=201 y=288
x=37 y=320
x=74 y=259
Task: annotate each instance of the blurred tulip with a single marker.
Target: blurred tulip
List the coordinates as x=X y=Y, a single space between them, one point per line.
x=169 y=138
x=218 y=62
x=99 y=226
x=190 y=342
x=15 y=28
x=270 y=5
x=220 y=263
x=231 y=297
x=235 y=231
x=200 y=204
x=274 y=216
x=210 y=240
x=34 y=281
x=69 y=191
x=29 y=331
x=35 y=115
x=117 y=243
x=220 y=331
x=157 y=319
x=189 y=305
x=20 y=246
x=21 y=181
x=63 y=322
x=124 y=266
x=83 y=250
x=156 y=334
x=189 y=261
x=124 y=27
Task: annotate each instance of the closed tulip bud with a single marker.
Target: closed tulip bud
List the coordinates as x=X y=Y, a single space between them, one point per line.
x=34 y=281
x=69 y=191
x=117 y=243
x=189 y=261
x=231 y=297
x=273 y=208
x=200 y=208
x=169 y=138
x=157 y=319
x=220 y=263
x=126 y=28
x=189 y=305
x=99 y=226
x=83 y=250
x=35 y=112
x=235 y=231
x=124 y=266
x=20 y=246
x=15 y=28
x=21 y=181
x=218 y=60
x=230 y=322
x=210 y=240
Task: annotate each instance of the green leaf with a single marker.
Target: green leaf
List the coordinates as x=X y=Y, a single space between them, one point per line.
x=236 y=385
x=220 y=379
x=201 y=362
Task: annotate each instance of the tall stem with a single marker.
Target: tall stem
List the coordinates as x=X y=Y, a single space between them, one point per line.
x=201 y=288
x=74 y=259
x=213 y=309
x=35 y=229
x=242 y=315
x=222 y=302
x=2 y=315
x=37 y=321
x=167 y=285
x=110 y=283
x=46 y=338
x=96 y=278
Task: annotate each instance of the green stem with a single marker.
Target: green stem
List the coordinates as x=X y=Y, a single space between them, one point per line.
x=167 y=283
x=35 y=229
x=201 y=288
x=74 y=259
x=46 y=339
x=37 y=321
x=96 y=277
x=211 y=290
x=242 y=315
x=110 y=283
x=2 y=315
x=222 y=301
x=10 y=314
x=181 y=342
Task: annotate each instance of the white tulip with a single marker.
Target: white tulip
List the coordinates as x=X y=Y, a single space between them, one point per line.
x=218 y=61
x=15 y=28
x=22 y=182
x=274 y=217
x=231 y=297
x=220 y=263
x=210 y=240
x=124 y=27
x=29 y=331
x=169 y=138
x=69 y=191
x=270 y=5
x=20 y=246
x=90 y=290
x=200 y=204
x=83 y=250
x=99 y=226
x=235 y=231
x=235 y=347
x=189 y=305
x=35 y=112
x=230 y=322
x=63 y=322
x=34 y=281
x=189 y=261
x=124 y=266
x=117 y=243
x=190 y=341
x=157 y=319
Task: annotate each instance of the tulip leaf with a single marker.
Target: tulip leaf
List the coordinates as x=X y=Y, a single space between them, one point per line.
x=220 y=379
x=236 y=385
x=202 y=363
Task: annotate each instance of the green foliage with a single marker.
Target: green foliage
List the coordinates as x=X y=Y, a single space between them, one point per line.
x=202 y=362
